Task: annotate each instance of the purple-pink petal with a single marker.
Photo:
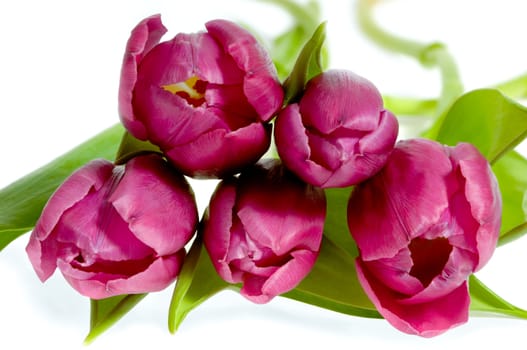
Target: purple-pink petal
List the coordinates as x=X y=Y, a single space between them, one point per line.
x=148 y=198
x=143 y=37
x=157 y=276
x=217 y=226
x=260 y=83
x=292 y=144
x=426 y=319
x=221 y=152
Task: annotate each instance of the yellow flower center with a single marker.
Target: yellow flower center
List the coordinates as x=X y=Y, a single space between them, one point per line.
x=192 y=90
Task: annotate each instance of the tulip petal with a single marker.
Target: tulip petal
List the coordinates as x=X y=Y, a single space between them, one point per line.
x=381 y=140
x=292 y=144
x=252 y=289
x=230 y=99
x=459 y=266
x=294 y=221
x=426 y=319
x=42 y=255
x=99 y=232
x=220 y=153
x=89 y=178
x=394 y=272
x=288 y=276
x=168 y=63
x=261 y=84
x=42 y=248
x=482 y=193
x=358 y=107
x=170 y=120
x=408 y=177
x=217 y=225
x=323 y=152
x=212 y=63
x=143 y=37
x=157 y=276
x=148 y=197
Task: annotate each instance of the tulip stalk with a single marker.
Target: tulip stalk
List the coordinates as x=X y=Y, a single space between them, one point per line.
x=428 y=54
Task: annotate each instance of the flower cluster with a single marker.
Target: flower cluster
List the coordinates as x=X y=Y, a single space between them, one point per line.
x=424 y=216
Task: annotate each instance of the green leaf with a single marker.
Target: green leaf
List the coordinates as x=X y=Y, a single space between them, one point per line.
x=130 y=147
x=486 y=118
x=286 y=46
x=22 y=201
x=484 y=300
x=106 y=312
x=333 y=284
x=515 y=88
x=407 y=106
x=336 y=224
x=197 y=282
x=307 y=65
x=511 y=170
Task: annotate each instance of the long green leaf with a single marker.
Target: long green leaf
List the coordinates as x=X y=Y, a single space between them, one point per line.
x=485 y=301
x=333 y=284
x=486 y=118
x=336 y=223
x=197 y=282
x=106 y=312
x=307 y=65
x=288 y=45
x=22 y=201
x=511 y=172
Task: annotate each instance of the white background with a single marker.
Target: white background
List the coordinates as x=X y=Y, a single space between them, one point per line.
x=59 y=72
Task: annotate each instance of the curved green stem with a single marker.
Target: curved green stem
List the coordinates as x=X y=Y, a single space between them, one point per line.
x=513 y=234
x=383 y=38
x=428 y=54
x=515 y=88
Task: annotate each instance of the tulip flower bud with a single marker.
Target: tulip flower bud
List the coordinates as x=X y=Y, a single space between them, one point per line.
x=116 y=229
x=203 y=98
x=428 y=220
x=338 y=134
x=264 y=230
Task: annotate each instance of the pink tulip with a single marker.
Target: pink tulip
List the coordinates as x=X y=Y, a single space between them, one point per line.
x=203 y=98
x=264 y=230
x=423 y=225
x=338 y=134
x=116 y=229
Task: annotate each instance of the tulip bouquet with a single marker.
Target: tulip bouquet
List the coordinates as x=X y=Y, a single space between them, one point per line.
x=318 y=199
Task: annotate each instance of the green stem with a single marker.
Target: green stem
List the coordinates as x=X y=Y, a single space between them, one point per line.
x=307 y=16
x=514 y=88
x=428 y=54
x=513 y=234
x=131 y=147
x=383 y=38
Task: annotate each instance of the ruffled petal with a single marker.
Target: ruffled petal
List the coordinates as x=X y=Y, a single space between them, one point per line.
x=426 y=319
x=261 y=84
x=358 y=107
x=288 y=276
x=483 y=195
x=170 y=120
x=42 y=248
x=157 y=276
x=217 y=224
x=143 y=37
x=403 y=201
x=220 y=153
x=148 y=197
x=292 y=144
x=296 y=221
